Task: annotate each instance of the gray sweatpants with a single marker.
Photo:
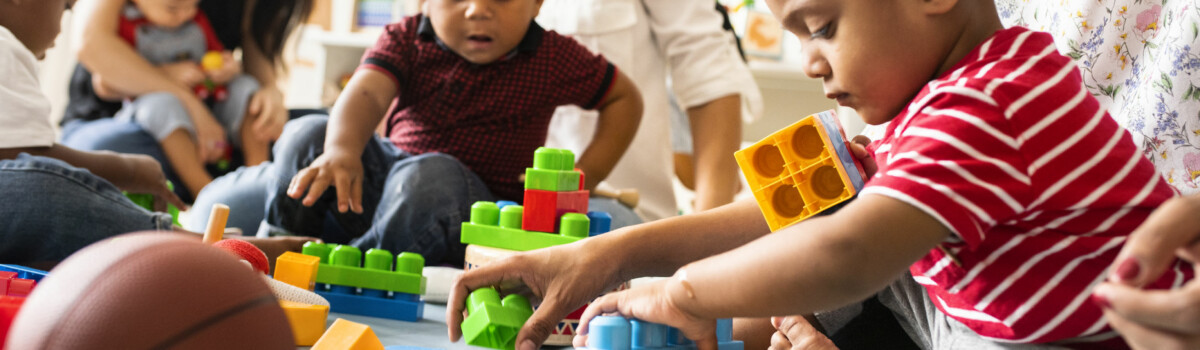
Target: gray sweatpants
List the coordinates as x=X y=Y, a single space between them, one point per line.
x=161 y=113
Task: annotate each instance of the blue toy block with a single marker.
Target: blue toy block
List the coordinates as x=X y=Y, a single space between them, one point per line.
x=619 y=333
x=503 y=204
x=601 y=222
x=24 y=272
x=402 y=306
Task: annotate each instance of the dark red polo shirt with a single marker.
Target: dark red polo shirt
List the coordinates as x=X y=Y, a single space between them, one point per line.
x=492 y=116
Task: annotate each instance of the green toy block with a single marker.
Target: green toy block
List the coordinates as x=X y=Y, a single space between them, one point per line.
x=494 y=323
x=545 y=158
x=146 y=201
x=492 y=227
x=341 y=265
x=551 y=180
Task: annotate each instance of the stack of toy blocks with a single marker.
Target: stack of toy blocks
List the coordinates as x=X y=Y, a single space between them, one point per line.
x=369 y=286
x=618 y=333
x=494 y=323
x=16 y=282
x=801 y=170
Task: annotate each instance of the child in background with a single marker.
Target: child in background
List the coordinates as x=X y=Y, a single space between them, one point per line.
x=1000 y=194
x=176 y=36
x=471 y=85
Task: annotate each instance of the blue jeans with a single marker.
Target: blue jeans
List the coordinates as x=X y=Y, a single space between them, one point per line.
x=53 y=209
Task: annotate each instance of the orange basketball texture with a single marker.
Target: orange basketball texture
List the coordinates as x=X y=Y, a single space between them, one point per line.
x=151 y=290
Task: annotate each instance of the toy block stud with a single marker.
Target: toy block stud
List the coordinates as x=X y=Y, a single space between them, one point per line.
x=319 y=250
x=346 y=335
x=553 y=170
x=307 y=321
x=609 y=333
x=492 y=322
x=801 y=170
x=575 y=225
x=511 y=215
x=600 y=221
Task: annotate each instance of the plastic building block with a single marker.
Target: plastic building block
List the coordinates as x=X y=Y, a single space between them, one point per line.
x=8 y=311
x=146 y=201
x=801 y=170
x=543 y=208
x=492 y=322
x=307 y=321
x=347 y=335
x=618 y=333
x=11 y=285
x=601 y=223
x=297 y=269
x=374 y=290
x=503 y=204
x=24 y=272
x=492 y=227
x=553 y=170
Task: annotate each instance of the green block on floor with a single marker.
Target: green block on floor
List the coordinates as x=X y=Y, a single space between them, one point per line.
x=494 y=323
x=342 y=265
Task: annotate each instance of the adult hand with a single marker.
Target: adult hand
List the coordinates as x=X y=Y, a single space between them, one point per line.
x=185 y=73
x=341 y=169
x=795 y=333
x=858 y=147
x=230 y=68
x=651 y=303
x=210 y=137
x=145 y=175
x=561 y=278
x=266 y=107
x=1156 y=319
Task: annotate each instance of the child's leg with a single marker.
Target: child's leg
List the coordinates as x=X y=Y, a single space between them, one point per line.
x=232 y=114
x=180 y=149
x=52 y=209
x=424 y=203
x=164 y=117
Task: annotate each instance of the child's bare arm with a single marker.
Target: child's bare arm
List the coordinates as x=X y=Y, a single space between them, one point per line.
x=355 y=114
x=620 y=113
x=821 y=263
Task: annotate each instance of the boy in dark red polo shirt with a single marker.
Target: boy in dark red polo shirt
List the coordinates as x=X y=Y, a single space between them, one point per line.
x=469 y=90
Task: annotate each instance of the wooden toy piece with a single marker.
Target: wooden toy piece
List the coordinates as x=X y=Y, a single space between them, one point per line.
x=629 y=196
x=307 y=321
x=801 y=170
x=297 y=269
x=216 y=223
x=347 y=335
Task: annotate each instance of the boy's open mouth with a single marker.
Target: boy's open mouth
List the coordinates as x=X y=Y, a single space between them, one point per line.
x=480 y=38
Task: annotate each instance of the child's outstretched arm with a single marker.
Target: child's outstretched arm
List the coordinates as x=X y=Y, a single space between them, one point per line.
x=354 y=116
x=818 y=264
x=620 y=113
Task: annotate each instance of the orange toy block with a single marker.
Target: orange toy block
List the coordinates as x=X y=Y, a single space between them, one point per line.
x=346 y=335
x=307 y=321
x=801 y=170
x=297 y=269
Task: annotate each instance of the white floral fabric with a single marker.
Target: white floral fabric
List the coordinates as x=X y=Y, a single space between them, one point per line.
x=1140 y=59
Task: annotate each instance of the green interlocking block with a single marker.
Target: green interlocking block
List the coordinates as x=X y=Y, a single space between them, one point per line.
x=551 y=180
x=494 y=323
x=492 y=227
x=546 y=158
x=146 y=201
x=341 y=265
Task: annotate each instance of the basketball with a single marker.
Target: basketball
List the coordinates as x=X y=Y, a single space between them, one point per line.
x=151 y=290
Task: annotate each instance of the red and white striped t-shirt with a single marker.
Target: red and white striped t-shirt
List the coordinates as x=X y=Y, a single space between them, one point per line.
x=1039 y=185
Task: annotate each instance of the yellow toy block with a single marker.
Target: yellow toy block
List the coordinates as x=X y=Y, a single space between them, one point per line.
x=307 y=321
x=801 y=170
x=297 y=269
x=346 y=335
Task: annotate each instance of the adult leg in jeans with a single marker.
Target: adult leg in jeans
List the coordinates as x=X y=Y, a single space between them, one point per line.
x=424 y=203
x=55 y=209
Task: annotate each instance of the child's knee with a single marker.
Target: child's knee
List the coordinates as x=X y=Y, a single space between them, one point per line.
x=435 y=170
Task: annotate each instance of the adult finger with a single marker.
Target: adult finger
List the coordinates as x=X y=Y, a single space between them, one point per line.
x=802 y=334
x=300 y=182
x=604 y=305
x=1141 y=337
x=1176 y=310
x=780 y=342
x=494 y=273
x=1148 y=252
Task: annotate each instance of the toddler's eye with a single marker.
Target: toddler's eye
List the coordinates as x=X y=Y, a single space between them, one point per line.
x=823 y=32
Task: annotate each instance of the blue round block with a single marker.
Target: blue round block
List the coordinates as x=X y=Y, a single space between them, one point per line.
x=609 y=333
x=649 y=335
x=503 y=204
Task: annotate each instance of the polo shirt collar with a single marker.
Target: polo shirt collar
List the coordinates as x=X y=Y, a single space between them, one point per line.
x=529 y=43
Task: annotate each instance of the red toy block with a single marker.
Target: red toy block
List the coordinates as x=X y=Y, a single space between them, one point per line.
x=8 y=311
x=571 y=202
x=541 y=208
x=6 y=278
x=20 y=287
x=582 y=176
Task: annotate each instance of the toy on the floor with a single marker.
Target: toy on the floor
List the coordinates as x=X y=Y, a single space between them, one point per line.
x=295 y=277
x=151 y=290
x=366 y=285
x=146 y=201
x=619 y=333
x=16 y=282
x=347 y=335
x=307 y=321
x=801 y=170
x=494 y=323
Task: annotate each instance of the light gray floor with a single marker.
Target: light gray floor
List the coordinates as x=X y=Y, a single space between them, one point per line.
x=430 y=332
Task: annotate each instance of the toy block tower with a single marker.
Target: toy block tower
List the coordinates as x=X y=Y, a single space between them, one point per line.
x=801 y=170
x=553 y=187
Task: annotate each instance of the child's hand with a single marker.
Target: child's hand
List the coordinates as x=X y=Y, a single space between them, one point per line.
x=650 y=303
x=794 y=332
x=210 y=138
x=858 y=146
x=342 y=170
x=266 y=106
x=186 y=73
x=145 y=175
x=230 y=68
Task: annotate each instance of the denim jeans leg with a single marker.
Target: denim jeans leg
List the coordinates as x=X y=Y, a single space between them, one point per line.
x=302 y=143
x=425 y=201
x=243 y=190
x=55 y=209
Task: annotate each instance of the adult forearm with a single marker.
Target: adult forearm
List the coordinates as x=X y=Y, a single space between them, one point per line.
x=660 y=247
x=716 y=132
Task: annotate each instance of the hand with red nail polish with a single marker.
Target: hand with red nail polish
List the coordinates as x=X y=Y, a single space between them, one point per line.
x=1157 y=319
